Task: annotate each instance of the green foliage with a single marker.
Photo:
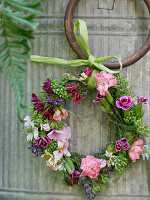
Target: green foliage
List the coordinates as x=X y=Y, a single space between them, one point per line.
x=122 y=87
x=142 y=128
x=100 y=184
x=76 y=159
x=59 y=89
x=37 y=117
x=53 y=146
x=16 y=29
x=120 y=164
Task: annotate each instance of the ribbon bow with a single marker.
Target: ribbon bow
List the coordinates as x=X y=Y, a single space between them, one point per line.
x=83 y=42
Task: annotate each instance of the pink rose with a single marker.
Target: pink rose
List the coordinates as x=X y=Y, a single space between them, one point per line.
x=136 y=150
x=104 y=81
x=60 y=114
x=90 y=166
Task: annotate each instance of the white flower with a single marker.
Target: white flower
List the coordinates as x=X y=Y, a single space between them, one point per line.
x=111 y=161
x=28 y=122
x=30 y=136
x=83 y=77
x=108 y=154
x=45 y=127
x=35 y=132
x=103 y=163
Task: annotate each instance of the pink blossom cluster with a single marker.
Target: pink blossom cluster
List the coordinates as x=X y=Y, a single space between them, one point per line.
x=90 y=166
x=104 y=82
x=60 y=114
x=136 y=150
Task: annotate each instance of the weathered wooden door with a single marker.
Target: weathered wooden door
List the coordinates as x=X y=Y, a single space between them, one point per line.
x=116 y=27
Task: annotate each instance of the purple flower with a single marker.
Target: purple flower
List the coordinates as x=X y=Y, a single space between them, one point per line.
x=55 y=102
x=108 y=170
x=122 y=144
x=141 y=99
x=42 y=141
x=125 y=102
x=36 y=150
x=47 y=86
x=99 y=98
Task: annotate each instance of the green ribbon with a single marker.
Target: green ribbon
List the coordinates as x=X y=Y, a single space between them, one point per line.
x=83 y=42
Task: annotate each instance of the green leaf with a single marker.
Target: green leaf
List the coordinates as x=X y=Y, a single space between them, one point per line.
x=18 y=17
x=14 y=48
x=24 y=6
x=5 y=65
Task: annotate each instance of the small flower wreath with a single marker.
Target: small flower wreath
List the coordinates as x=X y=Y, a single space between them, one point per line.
x=48 y=136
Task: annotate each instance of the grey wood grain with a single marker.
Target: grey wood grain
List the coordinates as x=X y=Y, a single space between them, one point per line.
x=117 y=32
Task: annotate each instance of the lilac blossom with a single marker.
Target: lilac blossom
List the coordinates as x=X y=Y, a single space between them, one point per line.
x=141 y=99
x=125 y=102
x=122 y=144
x=42 y=141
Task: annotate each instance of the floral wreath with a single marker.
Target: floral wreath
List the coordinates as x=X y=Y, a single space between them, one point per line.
x=48 y=136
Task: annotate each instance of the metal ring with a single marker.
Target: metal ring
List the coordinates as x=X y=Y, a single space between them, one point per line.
x=112 y=65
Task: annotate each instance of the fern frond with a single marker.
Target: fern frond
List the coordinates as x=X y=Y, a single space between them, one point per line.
x=17 y=22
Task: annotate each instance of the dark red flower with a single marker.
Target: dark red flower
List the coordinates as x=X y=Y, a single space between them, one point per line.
x=76 y=93
x=88 y=71
x=49 y=113
x=38 y=104
x=47 y=86
x=73 y=177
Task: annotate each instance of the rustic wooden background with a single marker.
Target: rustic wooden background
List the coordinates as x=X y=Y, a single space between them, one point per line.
x=116 y=27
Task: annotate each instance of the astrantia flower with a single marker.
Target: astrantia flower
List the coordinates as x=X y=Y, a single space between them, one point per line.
x=141 y=99
x=45 y=127
x=122 y=144
x=90 y=166
x=104 y=82
x=36 y=150
x=99 y=98
x=47 y=86
x=125 y=102
x=42 y=141
x=136 y=150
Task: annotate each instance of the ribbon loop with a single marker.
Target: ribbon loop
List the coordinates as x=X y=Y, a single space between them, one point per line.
x=83 y=42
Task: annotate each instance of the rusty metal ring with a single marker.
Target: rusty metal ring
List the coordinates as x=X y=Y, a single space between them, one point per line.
x=112 y=65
